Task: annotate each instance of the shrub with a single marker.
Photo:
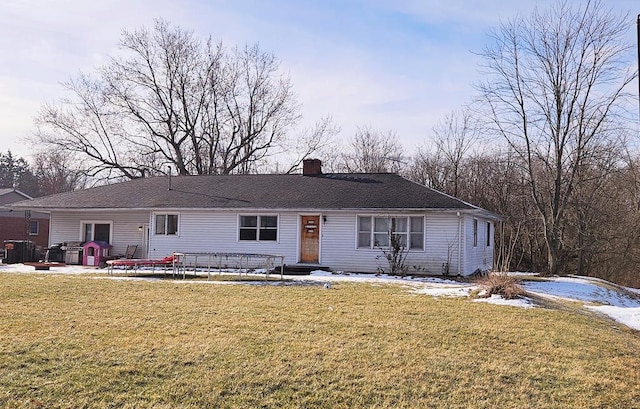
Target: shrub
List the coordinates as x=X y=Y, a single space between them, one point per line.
x=502 y=284
x=394 y=258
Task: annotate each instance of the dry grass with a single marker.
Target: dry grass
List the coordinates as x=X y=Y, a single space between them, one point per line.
x=75 y=342
x=501 y=284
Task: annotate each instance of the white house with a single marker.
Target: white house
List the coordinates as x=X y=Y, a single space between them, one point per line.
x=340 y=221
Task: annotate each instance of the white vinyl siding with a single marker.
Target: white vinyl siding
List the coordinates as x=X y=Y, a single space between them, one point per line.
x=65 y=226
x=340 y=243
x=217 y=231
x=443 y=246
x=478 y=256
x=208 y=231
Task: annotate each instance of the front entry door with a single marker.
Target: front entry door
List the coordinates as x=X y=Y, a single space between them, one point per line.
x=309 y=239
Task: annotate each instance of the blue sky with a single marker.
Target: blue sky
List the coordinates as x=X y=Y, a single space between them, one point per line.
x=392 y=65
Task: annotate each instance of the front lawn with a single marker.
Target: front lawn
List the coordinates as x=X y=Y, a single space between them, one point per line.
x=78 y=341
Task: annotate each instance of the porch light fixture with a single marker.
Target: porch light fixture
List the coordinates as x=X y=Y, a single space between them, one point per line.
x=139 y=228
x=324 y=219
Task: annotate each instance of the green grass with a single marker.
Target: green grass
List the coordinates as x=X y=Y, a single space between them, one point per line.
x=85 y=342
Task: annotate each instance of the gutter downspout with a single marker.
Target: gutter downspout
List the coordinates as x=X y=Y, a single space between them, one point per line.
x=459 y=243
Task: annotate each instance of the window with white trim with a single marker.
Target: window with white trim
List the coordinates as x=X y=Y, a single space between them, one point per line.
x=98 y=231
x=375 y=232
x=34 y=227
x=475 y=232
x=416 y=233
x=258 y=228
x=364 y=232
x=166 y=224
x=488 y=234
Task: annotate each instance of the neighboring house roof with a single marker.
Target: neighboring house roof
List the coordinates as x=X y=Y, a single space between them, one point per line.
x=9 y=195
x=323 y=191
x=5 y=190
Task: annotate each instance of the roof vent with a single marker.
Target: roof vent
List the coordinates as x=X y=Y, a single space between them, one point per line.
x=311 y=167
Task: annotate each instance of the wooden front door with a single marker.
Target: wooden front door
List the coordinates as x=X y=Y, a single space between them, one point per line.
x=309 y=239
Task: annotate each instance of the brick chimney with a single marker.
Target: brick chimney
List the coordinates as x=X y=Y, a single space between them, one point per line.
x=311 y=167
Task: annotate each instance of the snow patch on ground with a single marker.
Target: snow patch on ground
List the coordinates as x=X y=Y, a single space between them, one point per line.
x=499 y=300
x=624 y=315
x=583 y=289
x=338 y=276
x=450 y=291
x=619 y=303
x=24 y=269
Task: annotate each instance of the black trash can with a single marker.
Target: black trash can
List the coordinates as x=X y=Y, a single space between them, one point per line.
x=19 y=251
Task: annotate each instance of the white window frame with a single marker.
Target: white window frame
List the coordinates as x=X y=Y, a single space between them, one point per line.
x=373 y=232
x=488 y=234
x=258 y=217
x=166 y=223
x=93 y=223
x=475 y=232
x=37 y=224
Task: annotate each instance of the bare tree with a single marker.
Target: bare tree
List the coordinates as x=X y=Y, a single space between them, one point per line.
x=428 y=167
x=438 y=164
x=555 y=93
x=372 y=151
x=313 y=141
x=170 y=99
x=454 y=137
x=57 y=171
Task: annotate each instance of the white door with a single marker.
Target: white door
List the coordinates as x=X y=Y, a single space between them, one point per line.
x=145 y=240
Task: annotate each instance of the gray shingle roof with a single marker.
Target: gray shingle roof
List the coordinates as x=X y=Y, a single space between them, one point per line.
x=326 y=191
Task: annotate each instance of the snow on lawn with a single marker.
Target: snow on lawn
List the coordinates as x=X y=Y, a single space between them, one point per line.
x=448 y=291
x=624 y=315
x=324 y=276
x=498 y=300
x=620 y=304
x=583 y=289
x=21 y=268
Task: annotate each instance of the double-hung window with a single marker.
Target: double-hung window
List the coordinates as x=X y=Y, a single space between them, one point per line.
x=381 y=232
x=166 y=224
x=416 y=233
x=377 y=232
x=258 y=228
x=364 y=232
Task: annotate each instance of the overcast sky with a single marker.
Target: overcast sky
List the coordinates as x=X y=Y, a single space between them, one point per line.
x=396 y=65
